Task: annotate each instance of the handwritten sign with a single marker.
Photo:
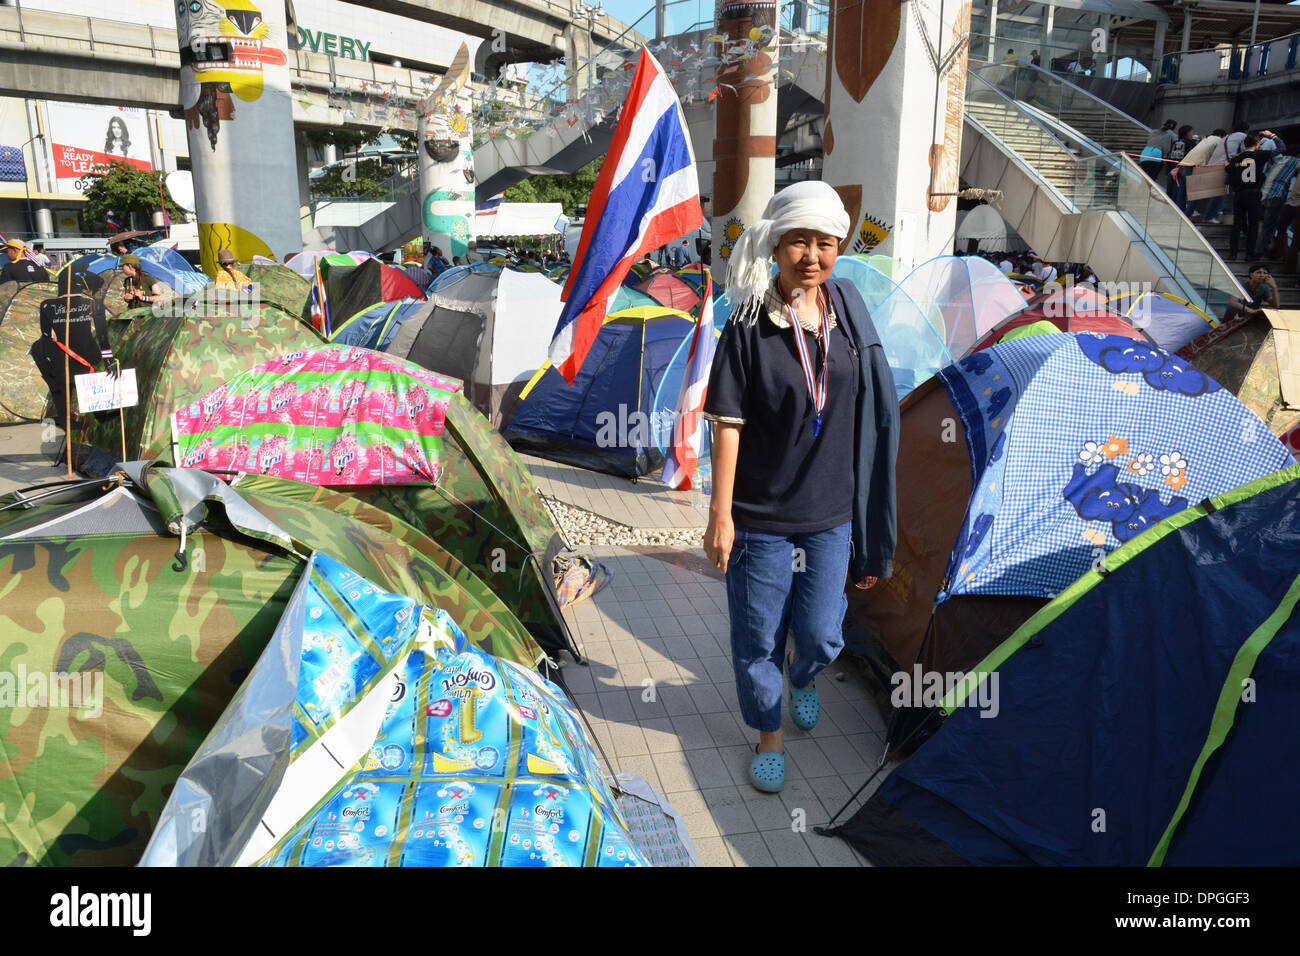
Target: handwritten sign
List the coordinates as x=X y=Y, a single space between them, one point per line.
x=101 y=392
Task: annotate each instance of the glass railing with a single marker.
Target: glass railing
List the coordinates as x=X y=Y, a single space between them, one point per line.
x=1119 y=184
x=395 y=188
x=1126 y=62
x=1028 y=137
x=1091 y=116
x=1232 y=62
x=1109 y=182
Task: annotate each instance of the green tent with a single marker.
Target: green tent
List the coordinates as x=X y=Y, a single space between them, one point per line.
x=281 y=287
x=22 y=390
x=129 y=652
x=182 y=355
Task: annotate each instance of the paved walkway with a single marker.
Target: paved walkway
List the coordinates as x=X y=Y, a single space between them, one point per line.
x=647 y=503
x=24 y=460
x=661 y=697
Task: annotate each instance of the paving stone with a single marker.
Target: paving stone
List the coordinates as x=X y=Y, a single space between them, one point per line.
x=749 y=849
x=616 y=705
x=727 y=804
x=692 y=733
x=711 y=850
x=708 y=768
x=789 y=848
x=660 y=735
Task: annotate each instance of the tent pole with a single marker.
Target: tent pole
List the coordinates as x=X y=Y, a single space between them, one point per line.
x=67 y=373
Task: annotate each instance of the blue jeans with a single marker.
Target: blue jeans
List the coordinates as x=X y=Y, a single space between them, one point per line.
x=772 y=588
x=1209 y=208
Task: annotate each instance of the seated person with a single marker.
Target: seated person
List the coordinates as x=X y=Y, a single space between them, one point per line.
x=74 y=336
x=20 y=268
x=228 y=275
x=1262 y=288
x=139 y=288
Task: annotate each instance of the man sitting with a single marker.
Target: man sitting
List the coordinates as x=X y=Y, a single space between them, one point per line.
x=1263 y=295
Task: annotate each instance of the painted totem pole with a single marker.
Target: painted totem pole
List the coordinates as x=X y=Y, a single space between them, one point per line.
x=446 y=151
x=895 y=93
x=235 y=96
x=744 y=145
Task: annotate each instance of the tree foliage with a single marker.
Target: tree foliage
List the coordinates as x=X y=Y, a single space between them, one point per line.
x=121 y=188
x=570 y=191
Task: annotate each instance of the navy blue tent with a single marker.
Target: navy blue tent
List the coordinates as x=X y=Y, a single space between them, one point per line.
x=614 y=416
x=375 y=327
x=1149 y=715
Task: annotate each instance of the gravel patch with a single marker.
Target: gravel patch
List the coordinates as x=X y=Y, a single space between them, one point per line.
x=583 y=529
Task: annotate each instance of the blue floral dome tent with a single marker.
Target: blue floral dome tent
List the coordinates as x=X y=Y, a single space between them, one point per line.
x=1170 y=676
x=1022 y=466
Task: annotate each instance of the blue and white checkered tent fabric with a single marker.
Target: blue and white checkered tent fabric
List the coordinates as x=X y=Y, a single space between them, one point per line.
x=1080 y=442
x=163 y=262
x=912 y=337
x=13 y=167
x=971 y=294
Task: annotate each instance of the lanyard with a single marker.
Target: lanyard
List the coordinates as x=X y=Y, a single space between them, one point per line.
x=816 y=389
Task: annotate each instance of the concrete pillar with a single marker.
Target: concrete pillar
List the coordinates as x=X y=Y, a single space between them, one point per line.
x=44 y=222
x=993 y=30
x=885 y=87
x=446 y=156
x=744 y=144
x=1187 y=28
x=239 y=117
x=1158 y=50
x=577 y=41
x=330 y=153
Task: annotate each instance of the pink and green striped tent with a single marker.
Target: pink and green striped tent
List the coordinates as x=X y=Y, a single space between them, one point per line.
x=337 y=415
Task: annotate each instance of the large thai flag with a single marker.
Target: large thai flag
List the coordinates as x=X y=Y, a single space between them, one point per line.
x=647 y=194
x=688 y=424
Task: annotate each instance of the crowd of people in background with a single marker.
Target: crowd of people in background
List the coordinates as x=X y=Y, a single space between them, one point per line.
x=1261 y=176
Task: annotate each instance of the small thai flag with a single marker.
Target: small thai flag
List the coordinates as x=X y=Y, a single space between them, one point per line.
x=489 y=207
x=647 y=194
x=688 y=425
x=112 y=220
x=320 y=305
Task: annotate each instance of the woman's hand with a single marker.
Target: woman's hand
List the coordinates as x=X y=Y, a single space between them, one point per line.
x=718 y=539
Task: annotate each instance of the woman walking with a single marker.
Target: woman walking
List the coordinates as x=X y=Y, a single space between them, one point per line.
x=806 y=438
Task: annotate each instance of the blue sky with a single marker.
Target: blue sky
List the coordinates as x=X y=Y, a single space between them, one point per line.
x=681 y=15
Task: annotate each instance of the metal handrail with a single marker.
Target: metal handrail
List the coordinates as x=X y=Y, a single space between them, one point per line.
x=1110 y=108
x=1015 y=105
x=1234 y=46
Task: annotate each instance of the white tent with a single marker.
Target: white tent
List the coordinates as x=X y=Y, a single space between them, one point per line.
x=985 y=225
x=492 y=330
x=522 y=219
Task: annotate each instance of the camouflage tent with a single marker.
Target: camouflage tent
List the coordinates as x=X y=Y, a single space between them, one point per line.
x=184 y=354
x=110 y=292
x=1253 y=357
x=22 y=390
x=281 y=287
x=128 y=648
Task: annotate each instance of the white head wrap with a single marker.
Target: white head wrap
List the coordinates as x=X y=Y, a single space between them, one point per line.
x=807 y=205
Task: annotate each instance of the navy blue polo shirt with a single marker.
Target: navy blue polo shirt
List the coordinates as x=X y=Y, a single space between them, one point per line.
x=788 y=480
